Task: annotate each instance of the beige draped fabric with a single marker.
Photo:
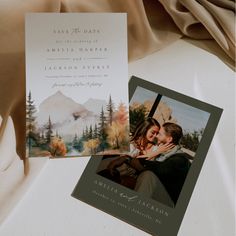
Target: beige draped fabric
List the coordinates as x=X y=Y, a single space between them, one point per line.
x=152 y=25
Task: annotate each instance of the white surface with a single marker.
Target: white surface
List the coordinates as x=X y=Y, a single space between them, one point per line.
x=13 y=182
x=48 y=209
x=8 y=155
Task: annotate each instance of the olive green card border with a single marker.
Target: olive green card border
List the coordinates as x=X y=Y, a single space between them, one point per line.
x=130 y=206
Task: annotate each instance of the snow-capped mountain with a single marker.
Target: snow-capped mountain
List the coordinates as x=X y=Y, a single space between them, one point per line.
x=59 y=107
x=95 y=105
x=67 y=116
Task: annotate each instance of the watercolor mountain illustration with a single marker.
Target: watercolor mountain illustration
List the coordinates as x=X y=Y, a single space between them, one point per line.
x=61 y=126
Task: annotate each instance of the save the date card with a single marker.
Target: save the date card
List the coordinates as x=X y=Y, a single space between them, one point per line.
x=76 y=84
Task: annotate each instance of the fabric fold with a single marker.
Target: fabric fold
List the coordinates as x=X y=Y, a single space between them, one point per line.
x=200 y=10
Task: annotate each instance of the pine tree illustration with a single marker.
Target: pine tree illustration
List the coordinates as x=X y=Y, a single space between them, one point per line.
x=86 y=133
x=102 y=131
x=95 y=132
x=90 y=135
x=102 y=123
x=110 y=110
x=49 y=131
x=75 y=142
x=30 y=121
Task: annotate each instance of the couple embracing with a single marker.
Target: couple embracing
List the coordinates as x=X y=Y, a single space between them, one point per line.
x=156 y=161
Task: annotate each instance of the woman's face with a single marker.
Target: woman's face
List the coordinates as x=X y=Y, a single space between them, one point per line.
x=152 y=133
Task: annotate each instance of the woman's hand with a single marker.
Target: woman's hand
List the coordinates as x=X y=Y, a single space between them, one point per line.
x=165 y=147
x=150 y=158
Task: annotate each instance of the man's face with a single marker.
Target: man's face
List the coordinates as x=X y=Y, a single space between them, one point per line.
x=163 y=137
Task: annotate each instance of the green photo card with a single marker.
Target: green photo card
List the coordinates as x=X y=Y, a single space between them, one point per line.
x=150 y=187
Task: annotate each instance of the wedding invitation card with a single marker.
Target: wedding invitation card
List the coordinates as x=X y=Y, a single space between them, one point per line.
x=76 y=84
x=151 y=186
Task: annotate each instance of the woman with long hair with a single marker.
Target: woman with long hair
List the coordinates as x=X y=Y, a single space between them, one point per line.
x=143 y=144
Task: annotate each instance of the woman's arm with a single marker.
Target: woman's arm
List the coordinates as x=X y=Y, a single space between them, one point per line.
x=134 y=151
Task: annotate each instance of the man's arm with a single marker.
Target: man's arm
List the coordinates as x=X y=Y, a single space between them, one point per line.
x=173 y=167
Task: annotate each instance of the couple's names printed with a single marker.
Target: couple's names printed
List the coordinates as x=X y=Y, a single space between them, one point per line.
x=76 y=84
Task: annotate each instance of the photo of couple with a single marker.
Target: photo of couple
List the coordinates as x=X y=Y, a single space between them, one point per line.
x=164 y=137
x=150 y=185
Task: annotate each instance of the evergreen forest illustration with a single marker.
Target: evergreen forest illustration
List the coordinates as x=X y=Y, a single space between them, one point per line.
x=61 y=127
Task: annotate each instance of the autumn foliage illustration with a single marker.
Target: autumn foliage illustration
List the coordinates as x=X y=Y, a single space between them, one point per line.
x=107 y=131
x=111 y=133
x=57 y=147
